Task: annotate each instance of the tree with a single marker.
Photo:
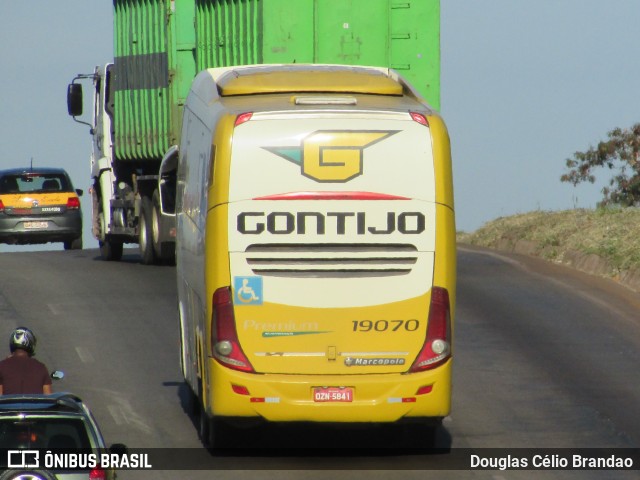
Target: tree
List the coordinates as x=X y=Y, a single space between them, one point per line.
x=621 y=152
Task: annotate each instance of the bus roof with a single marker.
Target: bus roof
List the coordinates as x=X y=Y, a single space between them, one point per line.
x=305 y=79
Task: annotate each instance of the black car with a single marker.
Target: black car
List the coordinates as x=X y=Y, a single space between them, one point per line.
x=39 y=205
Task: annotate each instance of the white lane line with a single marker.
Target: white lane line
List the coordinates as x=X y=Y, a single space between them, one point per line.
x=84 y=354
x=123 y=413
x=54 y=308
x=117 y=414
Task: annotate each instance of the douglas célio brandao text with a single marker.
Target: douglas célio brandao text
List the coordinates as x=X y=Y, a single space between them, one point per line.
x=550 y=462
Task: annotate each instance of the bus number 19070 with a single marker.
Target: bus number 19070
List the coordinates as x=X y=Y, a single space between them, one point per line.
x=385 y=325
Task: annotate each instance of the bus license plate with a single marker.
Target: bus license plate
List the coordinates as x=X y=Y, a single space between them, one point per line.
x=35 y=225
x=333 y=394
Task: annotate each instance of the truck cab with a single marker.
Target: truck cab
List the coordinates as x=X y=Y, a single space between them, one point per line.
x=132 y=201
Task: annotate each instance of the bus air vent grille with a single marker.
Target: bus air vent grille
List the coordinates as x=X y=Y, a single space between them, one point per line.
x=331 y=260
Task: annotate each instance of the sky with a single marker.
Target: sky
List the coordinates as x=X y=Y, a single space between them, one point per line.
x=525 y=84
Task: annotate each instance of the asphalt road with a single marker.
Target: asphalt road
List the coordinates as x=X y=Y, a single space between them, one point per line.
x=545 y=357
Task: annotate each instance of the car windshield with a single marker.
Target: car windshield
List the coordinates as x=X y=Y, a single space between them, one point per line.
x=34 y=182
x=43 y=432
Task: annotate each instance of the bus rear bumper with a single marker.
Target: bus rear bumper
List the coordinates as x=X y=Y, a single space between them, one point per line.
x=290 y=398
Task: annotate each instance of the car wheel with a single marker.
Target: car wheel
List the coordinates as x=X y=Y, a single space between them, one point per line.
x=27 y=475
x=75 y=244
x=111 y=250
x=145 y=233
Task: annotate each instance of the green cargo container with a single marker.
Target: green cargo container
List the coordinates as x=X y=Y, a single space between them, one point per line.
x=158 y=51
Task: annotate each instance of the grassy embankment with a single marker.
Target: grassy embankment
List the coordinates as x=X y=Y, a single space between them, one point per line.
x=603 y=241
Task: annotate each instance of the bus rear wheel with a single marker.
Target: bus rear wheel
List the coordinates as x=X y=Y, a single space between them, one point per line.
x=215 y=433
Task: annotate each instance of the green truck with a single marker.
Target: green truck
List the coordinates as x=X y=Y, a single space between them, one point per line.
x=160 y=46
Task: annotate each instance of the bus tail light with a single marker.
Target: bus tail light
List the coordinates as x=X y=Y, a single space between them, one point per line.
x=1 y=206
x=224 y=337
x=437 y=345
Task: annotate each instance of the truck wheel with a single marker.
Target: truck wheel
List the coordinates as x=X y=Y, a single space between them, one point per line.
x=155 y=218
x=145 y=234
x=110 y=249
x=75 y=244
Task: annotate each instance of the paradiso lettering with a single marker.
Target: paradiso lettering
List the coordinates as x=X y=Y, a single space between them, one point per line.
x=339 y=223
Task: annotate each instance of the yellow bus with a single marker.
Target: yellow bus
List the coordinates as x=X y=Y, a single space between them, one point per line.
x=315 y=248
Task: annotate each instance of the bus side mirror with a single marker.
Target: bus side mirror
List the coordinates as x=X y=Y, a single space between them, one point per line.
x=74 y=99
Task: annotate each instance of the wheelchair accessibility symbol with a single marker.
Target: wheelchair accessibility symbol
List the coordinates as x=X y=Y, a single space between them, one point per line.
x=248 y=290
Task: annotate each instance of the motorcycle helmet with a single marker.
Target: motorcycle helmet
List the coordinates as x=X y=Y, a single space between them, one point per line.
x=24 y=339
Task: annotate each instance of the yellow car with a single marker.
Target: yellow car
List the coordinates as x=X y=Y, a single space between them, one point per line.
x=39 y=206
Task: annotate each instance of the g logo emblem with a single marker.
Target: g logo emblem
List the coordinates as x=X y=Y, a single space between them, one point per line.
x=332 y=156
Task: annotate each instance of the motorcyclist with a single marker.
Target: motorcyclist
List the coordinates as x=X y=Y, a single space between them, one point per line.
x=20 y=372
